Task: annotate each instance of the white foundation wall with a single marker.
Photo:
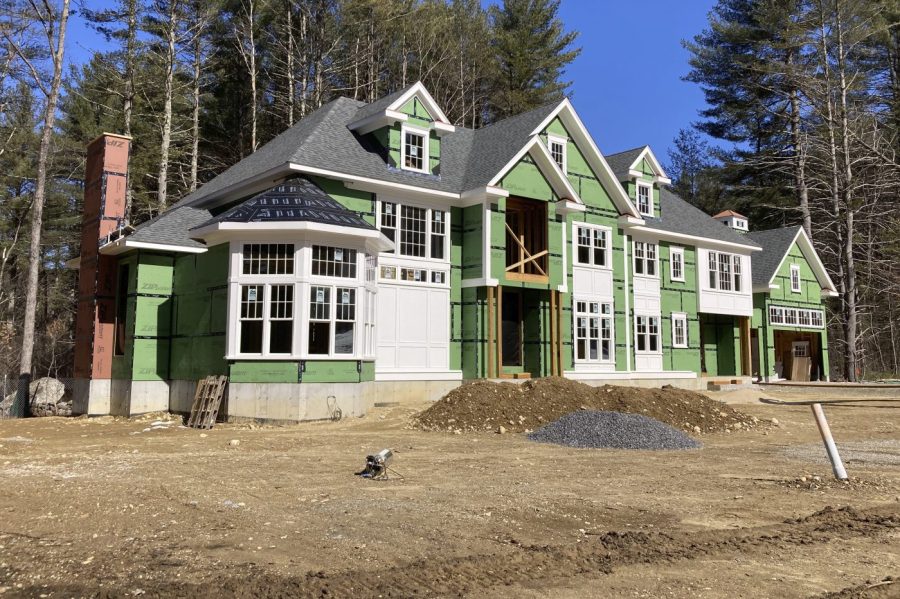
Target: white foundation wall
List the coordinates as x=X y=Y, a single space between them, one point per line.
x=118 y=397
x=295 y=402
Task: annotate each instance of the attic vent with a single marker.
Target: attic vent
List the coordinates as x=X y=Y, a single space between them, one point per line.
x=733 y=220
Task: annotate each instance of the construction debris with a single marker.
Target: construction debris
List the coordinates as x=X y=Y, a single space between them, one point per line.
x=589 y=428
x=207 y=400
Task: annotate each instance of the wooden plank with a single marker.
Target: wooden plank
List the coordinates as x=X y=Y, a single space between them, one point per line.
x=499 y=332
x=491 y=316
x=553 y=334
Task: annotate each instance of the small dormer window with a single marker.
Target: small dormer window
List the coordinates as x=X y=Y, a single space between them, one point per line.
x=795 y=278
x=644 y=199
x=557 y=147
x=415 y=150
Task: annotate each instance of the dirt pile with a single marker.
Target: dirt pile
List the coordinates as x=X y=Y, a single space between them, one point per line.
x=485 y=406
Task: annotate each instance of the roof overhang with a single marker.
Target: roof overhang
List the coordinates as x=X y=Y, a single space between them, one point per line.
x=660 y=175
x=219 y=232
x=375 y=185
x=392 y=114
x=123 y=244
x=693 y=239
x=566 y=112
x=548 y=167
x=815 y=263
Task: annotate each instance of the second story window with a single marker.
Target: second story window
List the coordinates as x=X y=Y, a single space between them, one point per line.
x=417 y=232
x=725 y=272
x=645 y=199
x=645 y=259
x=591 y=246
x=415 y=150
x=795 y=278
x=676 y=259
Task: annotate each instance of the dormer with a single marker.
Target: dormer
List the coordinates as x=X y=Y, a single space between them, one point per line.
x=733 y=220
x=641 y=174
x=408 y=126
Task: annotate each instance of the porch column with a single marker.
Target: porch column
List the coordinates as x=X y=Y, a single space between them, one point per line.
x=746 y=355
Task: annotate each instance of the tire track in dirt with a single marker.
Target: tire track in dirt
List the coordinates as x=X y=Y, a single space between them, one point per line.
x=530 y=563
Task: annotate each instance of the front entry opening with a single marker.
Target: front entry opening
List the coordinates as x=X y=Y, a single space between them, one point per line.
x=512 y=329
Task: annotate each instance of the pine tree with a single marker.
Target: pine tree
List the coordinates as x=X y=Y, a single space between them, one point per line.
x=532 y=49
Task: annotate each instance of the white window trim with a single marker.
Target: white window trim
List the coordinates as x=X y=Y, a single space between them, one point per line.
x=395 y=257
x=302 y=280
x=673 y=251
x=608 y=260
x=795 y=268
x=732 y=276
x=426 y=156
x=648 y=352
x=564 y=141
x=635 y=259
x=612 y=329
x=681 y=317
x=637 y=195
x=781 y=311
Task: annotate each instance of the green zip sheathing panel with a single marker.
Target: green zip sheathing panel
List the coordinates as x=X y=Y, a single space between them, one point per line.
x=456 y=275
x=152 y=317
x=473 y=332
x=526 y=180
x=679 y=297
x=121 y=365
x=390 y=137
x=360 y=202
x=809 y=297
x=721 y=344
x=200 y=314
x=472 y=241
x=301 y=371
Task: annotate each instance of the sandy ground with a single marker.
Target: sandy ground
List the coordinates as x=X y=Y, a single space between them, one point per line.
x=105 y=507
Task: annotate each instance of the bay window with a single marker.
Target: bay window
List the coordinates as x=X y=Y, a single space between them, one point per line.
x=725 y=271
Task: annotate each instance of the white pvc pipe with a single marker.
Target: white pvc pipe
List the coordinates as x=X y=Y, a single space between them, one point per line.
x=836 y=464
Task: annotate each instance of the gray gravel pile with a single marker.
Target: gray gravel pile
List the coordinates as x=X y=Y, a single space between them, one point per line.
x=614 y=430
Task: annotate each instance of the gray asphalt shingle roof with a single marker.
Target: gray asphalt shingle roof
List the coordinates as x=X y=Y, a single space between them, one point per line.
x=620 y=161
x=775 y=244
x=678 y=216
x=172 y=226
x=379 y=105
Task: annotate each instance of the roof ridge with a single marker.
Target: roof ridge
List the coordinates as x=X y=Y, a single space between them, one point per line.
x=628 y=150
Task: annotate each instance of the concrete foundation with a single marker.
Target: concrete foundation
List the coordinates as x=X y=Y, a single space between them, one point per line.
x=291 y=402
x=118 y=397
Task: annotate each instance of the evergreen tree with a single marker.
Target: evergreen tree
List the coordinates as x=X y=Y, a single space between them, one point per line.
x=532 y=49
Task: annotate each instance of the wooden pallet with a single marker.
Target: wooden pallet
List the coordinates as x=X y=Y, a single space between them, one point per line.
x=207 y=400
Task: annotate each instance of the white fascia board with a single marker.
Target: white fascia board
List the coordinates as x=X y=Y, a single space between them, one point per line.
x=418 y=89
x=123 y=244
x=225 y=230
x=654 y=163
x=441 y=128
x=558 y=179
x=480 y=195
x=566 y=206
x=374 y=185
x=626 y=220
x=694 y=240
x=809 y=251
x=481 y=282
x=596 y=161
x=377 y=121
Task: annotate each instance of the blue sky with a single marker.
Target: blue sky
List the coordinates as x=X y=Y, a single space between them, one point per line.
x=626 y=83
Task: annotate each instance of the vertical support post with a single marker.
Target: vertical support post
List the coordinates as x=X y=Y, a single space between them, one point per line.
x=491 y=324
x=499 y=333
x=554 y=357
x=746 y=362
x=559 y=344
x=837 y=466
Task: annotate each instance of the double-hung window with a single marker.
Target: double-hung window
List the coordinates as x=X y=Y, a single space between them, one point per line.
x=591 y=246
x=725 y=271
x=795 y=278
x=645 y=199
x=557 y=147
x=676 y=263
x=645 y=258
x=593 y=331
x=647 y=333
x=414 y=150
x=266 y=312
x=679 y=330
x=416 y=232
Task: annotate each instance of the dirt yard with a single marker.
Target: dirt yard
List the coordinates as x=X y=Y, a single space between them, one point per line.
x=113 y=508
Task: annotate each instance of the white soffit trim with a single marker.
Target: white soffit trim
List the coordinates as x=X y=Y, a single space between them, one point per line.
x=377 y=121
x=123 y=244
x=661 y=176
x=596 y=161
x=374 y=185
x=809 y=252
x=698 y=241
x=223 y=230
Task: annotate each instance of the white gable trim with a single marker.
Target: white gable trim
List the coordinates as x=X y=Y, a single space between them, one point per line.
x=595 y=159
x=369 y=184
x=548 y=167
x=661 y=176
x=694 y=240
x=377 y=121
x=809 y=252
x=123 y=244
x=392 y=113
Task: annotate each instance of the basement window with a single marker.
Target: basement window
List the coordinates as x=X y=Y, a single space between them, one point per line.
x=414 y=149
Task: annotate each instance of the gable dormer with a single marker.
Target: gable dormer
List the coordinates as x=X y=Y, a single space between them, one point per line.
x=641 y=174
x=408 y=126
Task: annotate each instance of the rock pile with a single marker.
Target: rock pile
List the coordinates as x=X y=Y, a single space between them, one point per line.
x=593 y=429
x=47 y=397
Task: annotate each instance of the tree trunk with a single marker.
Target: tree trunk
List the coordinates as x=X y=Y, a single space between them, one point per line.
x=291 y=85
x=162 y=181
x=195 y=115
x=37 y=208
x=128 y=97
x=799 y=153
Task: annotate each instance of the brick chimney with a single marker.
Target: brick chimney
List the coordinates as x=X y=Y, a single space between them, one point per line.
x=105 y=182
